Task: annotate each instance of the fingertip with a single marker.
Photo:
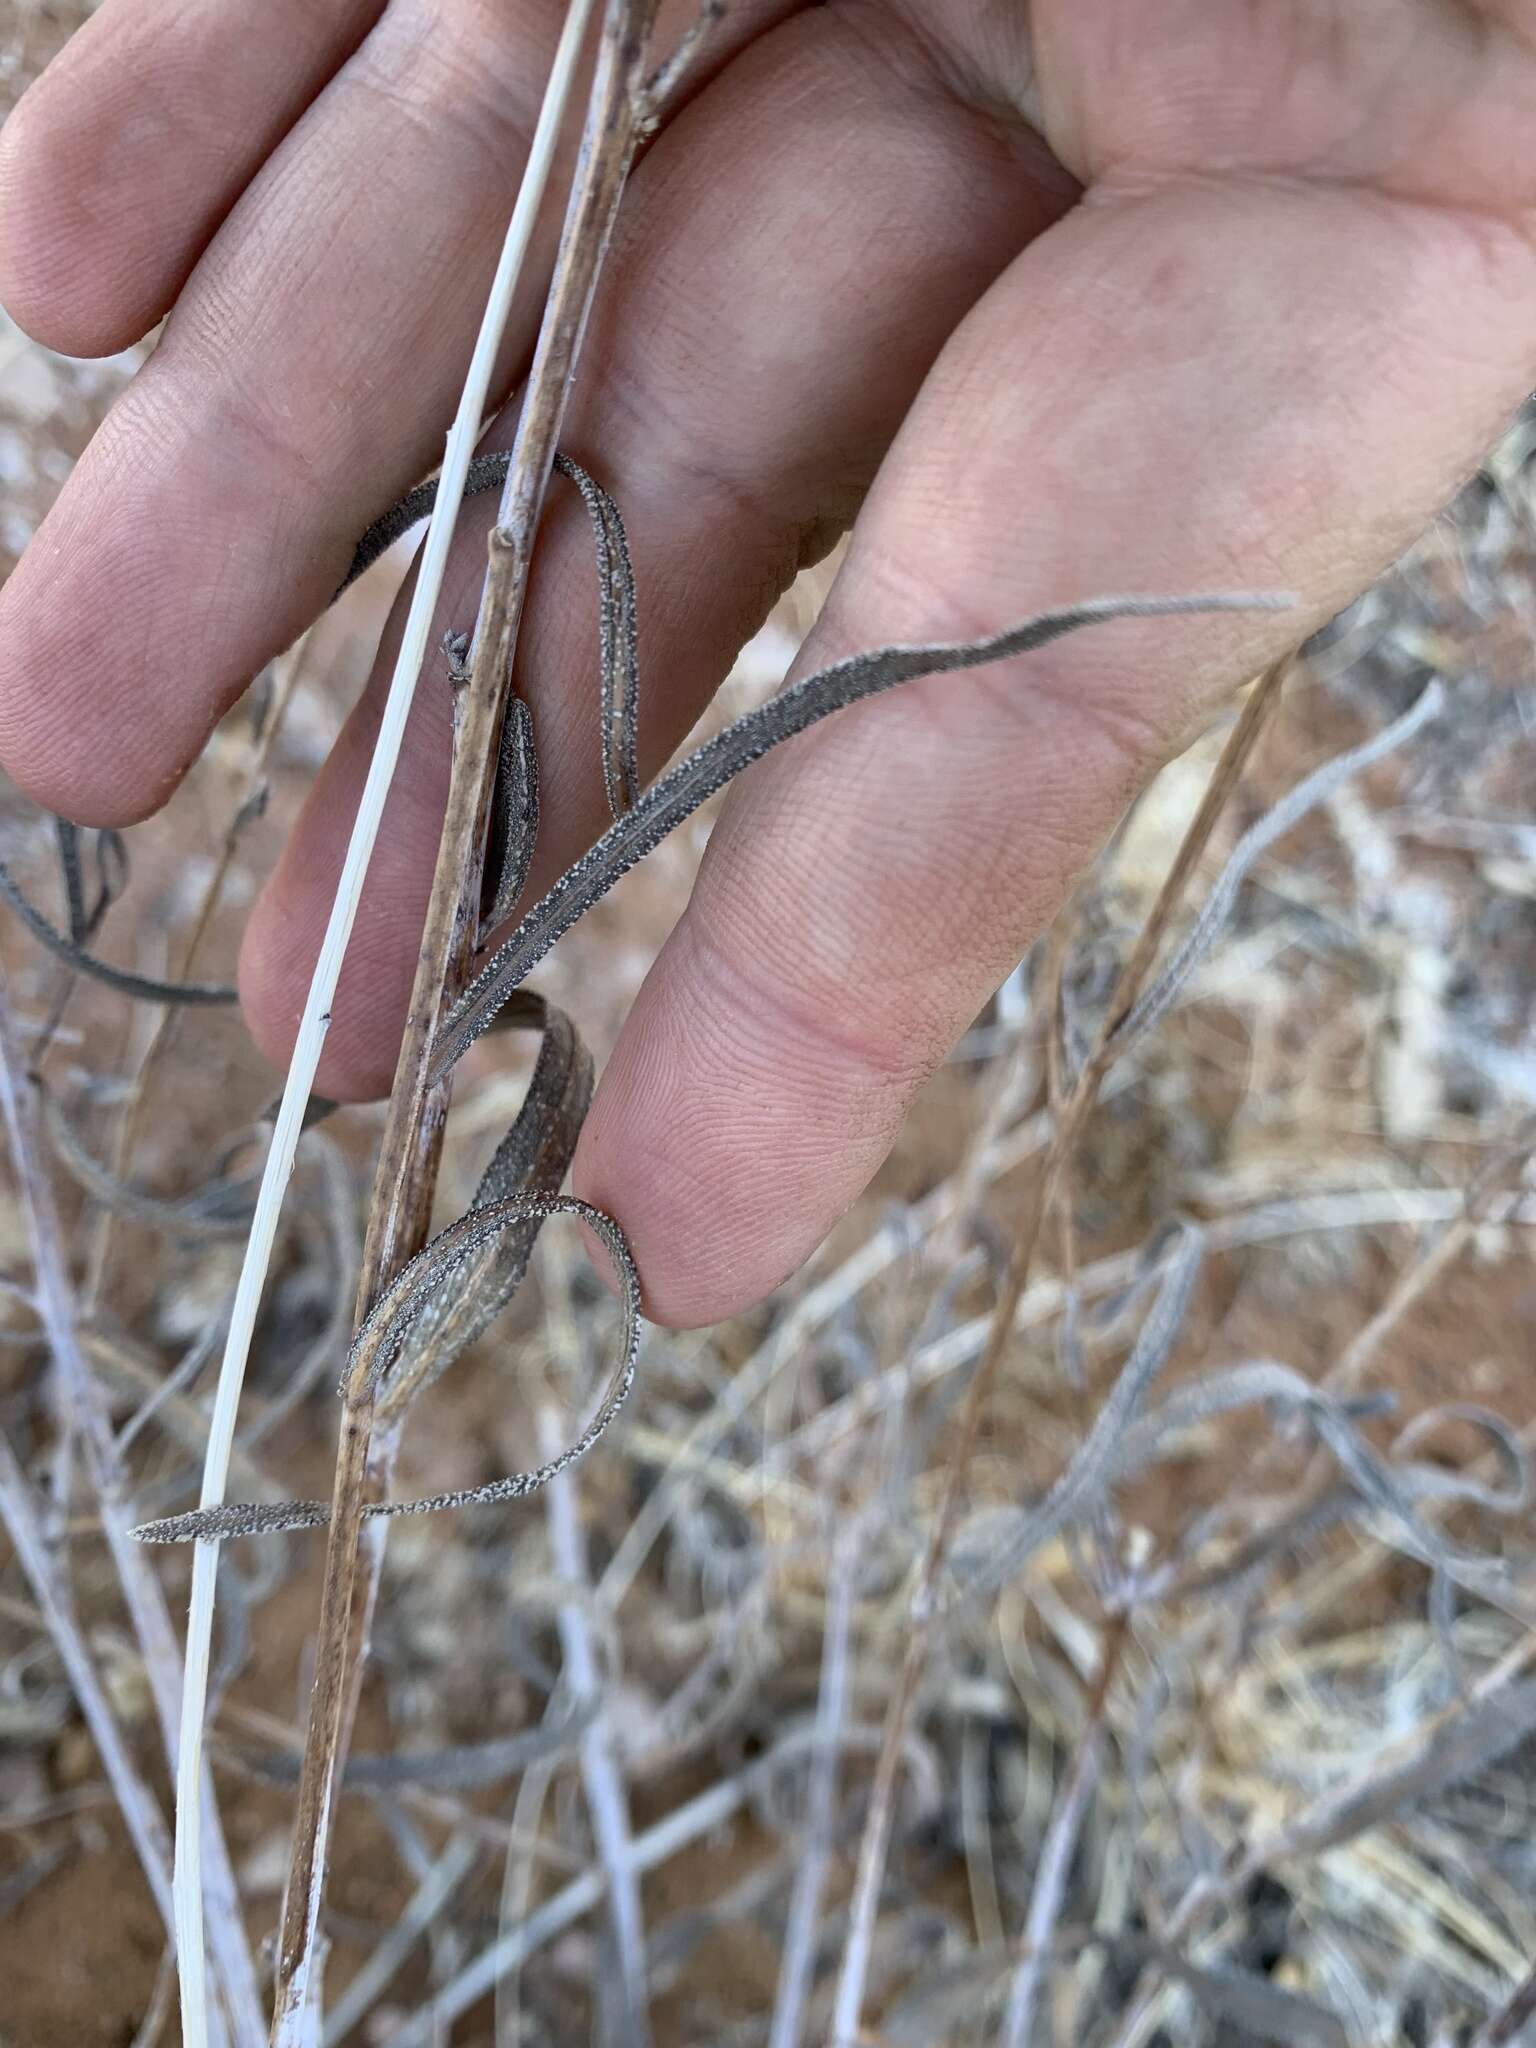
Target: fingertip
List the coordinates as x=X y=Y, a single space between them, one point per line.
x=64 y=279
x=727 y=1137
x=166 y=574
x=99 y=717
x=631 y=1164
x=61 y=789
x=695 y=1270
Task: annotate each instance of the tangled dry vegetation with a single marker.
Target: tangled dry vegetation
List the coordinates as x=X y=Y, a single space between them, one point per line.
x=1222 y=1730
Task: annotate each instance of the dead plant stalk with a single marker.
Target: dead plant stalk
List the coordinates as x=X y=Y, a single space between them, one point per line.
x=1075 y=1110
x=80 y=1394
x=405 y=1177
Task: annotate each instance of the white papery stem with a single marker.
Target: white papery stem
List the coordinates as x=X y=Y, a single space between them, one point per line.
x=317 y=1015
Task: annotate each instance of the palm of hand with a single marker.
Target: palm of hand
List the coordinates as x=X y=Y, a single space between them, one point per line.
x=1428 y=102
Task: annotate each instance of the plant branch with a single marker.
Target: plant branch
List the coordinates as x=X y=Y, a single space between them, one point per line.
x=1069 y=1127
x=406 y=1172
x=141 y=1591
x=1056 y=1851
x=141 y=1816
x=601 y=1770
x=316 y=1019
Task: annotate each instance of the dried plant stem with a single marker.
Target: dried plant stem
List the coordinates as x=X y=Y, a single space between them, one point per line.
x=1262 y=703
x=517 y=1895
x=1432 y=1262
x=1074 y=1115
x=158 y=2011
x=141 y=1591
x=1419 y=1277
x=1437 y=1255
x=1058 y=1076
x=703 y=1815
x=797 y=1966
x=316 y=1019
x=1056 y=1850
x=406 y=1172
x=601 y=1772
x=141 y=1816
x=434 y=1893
x=1510 y=2023
x=1395 y=1774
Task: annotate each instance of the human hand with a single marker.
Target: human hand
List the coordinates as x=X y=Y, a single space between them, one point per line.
x=1095 y=296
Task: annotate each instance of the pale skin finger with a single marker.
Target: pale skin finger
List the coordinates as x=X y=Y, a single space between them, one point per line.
x=120 y=162
x=1278 y=365
x=304 y=380
x=753 y=352
x=213 y=514
x=1249 y=359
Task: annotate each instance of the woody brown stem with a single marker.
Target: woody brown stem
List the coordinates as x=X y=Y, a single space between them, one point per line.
x=405 y=1178
x=1071 y=1118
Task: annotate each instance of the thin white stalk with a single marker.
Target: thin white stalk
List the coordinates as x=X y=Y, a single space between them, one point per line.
x=441 y=1881
x=797 y=1965
x=317 y=1011
x=703 y=1815
x=145 y=1603
x=141 y=1816
x=1050 y=1887
x=601 y=1773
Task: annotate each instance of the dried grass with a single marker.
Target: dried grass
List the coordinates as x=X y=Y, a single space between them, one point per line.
x=1223 y=1730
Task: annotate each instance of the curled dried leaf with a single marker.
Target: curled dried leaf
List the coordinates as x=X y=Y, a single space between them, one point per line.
x=463 y=1768
x=1441 y=1482
x=618 y=645
x=694 y=780
x=514 y=827
x=1449 y=1751
x=532 y=1158
x=486 y=473
x=1246 y=2006
x=378 y=1344
x=111 y=877
x=515 y=807
x=1100 y=1459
